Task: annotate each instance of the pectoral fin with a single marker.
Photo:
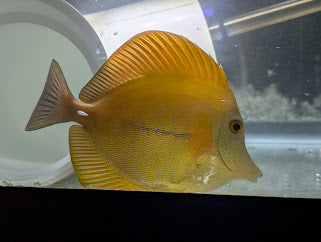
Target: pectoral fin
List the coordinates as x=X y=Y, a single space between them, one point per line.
x=91 y=169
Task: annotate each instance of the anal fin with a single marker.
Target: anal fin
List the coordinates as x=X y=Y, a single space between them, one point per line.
x=92 y=171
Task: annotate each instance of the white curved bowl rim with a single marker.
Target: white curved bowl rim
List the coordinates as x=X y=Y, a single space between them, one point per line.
x=61 y=17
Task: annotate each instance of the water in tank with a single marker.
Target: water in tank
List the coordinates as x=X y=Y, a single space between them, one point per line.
x=271 y=54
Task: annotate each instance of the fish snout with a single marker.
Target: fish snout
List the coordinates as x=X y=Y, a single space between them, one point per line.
x=255 y=175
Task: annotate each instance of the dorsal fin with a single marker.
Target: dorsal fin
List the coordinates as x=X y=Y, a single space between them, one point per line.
x=153 y=52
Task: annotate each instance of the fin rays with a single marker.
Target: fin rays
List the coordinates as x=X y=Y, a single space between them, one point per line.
x=52 y=100
x=153 y=52
x=91 y=169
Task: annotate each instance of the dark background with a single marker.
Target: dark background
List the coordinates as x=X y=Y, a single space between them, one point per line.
x=292 y=49
x=30 y=214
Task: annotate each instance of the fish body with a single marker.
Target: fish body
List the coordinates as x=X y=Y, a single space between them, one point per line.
x=156 y=116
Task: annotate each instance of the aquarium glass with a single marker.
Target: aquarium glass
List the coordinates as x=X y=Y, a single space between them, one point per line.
x=271 y=53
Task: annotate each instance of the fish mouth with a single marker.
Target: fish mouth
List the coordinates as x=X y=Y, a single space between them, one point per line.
x=245 y=169
x=256 y=176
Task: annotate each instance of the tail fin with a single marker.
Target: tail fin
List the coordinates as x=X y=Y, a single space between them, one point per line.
x=52 y=106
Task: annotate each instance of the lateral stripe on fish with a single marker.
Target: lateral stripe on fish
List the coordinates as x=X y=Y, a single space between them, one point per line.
x=161 y=131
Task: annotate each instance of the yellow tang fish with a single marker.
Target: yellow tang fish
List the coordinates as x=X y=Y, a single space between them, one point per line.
x=159 y=115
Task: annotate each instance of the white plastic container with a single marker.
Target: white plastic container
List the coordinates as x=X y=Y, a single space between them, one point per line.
x=32 y=32
x=184 y=17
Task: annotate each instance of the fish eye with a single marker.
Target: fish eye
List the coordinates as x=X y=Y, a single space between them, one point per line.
x=235 y=126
